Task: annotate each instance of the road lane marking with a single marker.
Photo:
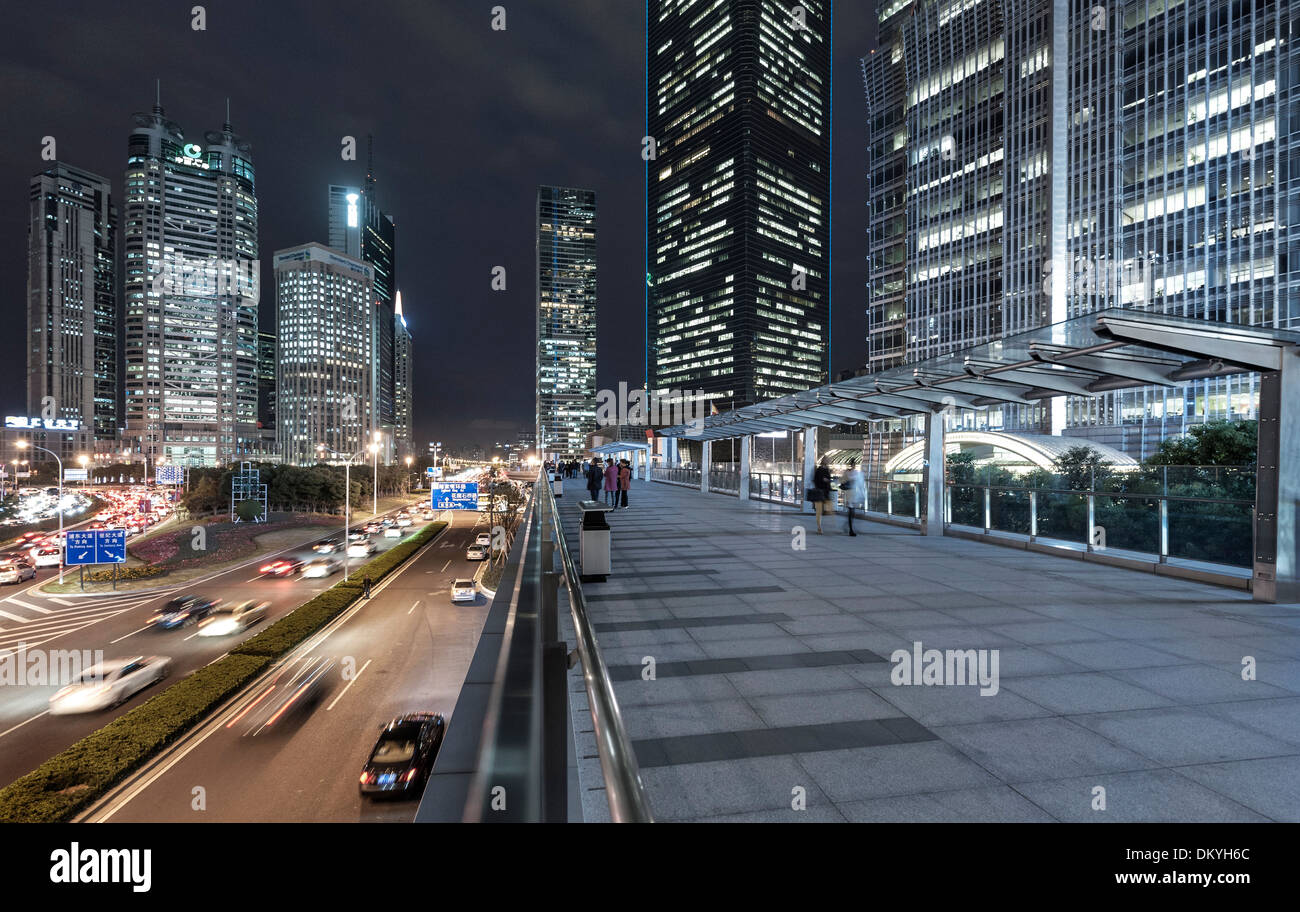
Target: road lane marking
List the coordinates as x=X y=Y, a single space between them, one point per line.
x=413 y=607
x=24 y=722
x=350 y=683
x=445 y=566
x=28 y=605
x=131 y=634
x=14 y=617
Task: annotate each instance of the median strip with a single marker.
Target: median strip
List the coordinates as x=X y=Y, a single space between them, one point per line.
x=68 y=782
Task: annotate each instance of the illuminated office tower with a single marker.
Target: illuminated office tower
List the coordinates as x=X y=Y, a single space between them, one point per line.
x=566 y=320
x=72 y=300
x=325 y=309
x=1150 y=167
x=738 y=198
x=189 y=233
x=403 y=387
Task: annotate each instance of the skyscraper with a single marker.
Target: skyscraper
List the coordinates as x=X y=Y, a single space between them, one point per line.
x=566 y=319
x=325 y=308
x=1060 y=158
x=266 y=391
x=72 y=300
x=358 y=228
x=403 y=386
x=191 y=293
x=738 y=197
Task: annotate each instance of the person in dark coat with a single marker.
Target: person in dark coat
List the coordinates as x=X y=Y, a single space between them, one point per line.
x=822 y=491
x=595 y=478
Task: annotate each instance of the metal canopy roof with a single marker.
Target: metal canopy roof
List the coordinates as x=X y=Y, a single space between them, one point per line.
x=1112 y=349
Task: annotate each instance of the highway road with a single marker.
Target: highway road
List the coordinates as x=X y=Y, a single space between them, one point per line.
x=117 y=625
x=409 y=649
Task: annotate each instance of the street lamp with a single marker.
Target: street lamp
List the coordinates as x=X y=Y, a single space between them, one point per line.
x=374 y=488
x=322 y=450
x=83 y=460
x=409 y=460
x=24 y=444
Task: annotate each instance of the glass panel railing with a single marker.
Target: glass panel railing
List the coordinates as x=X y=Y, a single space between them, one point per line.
x=1219 y=532
x=1128 y=523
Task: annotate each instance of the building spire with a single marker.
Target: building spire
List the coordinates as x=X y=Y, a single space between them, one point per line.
x=399 y=305
x=227 y=126
x=157 y=96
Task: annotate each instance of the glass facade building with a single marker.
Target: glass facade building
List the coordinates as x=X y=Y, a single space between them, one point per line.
x=403 y=383
x=325 y=309
x=72 y=314
x=1062 y=157
x=191 y=283
x=738 y=198
x=566 y=320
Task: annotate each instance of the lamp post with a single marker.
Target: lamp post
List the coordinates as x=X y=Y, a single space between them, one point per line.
x=409 y=460
x=374 y=486
x=63 y=546
x=323 y=450
x=83 y=460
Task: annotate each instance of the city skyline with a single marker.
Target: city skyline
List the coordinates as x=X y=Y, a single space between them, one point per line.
x=461 y=207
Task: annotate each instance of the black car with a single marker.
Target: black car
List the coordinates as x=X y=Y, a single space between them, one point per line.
x=183 y=611
x=403 y=756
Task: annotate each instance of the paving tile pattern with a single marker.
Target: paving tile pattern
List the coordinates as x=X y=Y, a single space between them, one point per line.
x=755 y=679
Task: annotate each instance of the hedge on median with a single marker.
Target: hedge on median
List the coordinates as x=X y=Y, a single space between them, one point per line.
x=124 y=573
x=61 y=786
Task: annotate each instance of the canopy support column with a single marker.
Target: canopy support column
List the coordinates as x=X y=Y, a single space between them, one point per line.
x=706 y=457
x=743 y=488
x=1276 y=575
x=934 y=466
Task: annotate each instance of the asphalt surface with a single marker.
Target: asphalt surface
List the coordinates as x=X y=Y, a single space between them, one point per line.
x=117 y=625
x=408 y=649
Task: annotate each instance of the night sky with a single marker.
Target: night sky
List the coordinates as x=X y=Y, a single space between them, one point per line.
x=467 y=123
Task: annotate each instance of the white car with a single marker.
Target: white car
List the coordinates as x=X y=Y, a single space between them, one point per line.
x=392 y=532
x=476 y=552
x=404 y=521
x=463 y=590
x=426 y=515
x=362 y=548
x=15 y=571
x=47 y=557
x=321 y=567
x=108 y=684
x=235 y=619
x=484 y=539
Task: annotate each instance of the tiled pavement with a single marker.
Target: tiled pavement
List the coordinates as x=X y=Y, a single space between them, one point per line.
x=772 y=677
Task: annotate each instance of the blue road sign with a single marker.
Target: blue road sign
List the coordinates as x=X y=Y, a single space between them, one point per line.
x=100 y=546
x=169 y=474
x=454 y=495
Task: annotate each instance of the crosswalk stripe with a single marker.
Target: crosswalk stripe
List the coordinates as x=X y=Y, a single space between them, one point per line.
x=28 y=605
x=14 y=617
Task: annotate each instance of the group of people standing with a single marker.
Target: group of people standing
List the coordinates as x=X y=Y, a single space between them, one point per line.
x=614 y=478
x=851 y=483
x=568 y=469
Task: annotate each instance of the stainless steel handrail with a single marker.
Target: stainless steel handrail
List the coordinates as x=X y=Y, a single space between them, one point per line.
x=626 y=793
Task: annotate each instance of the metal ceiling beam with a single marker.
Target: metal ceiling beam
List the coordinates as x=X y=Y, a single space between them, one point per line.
x=1229 y=344
x=1114 y=364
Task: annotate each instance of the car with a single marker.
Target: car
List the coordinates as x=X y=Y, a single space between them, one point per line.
x=285 y=566
x=297 y=687
x=392 y=532
x=356 y=535
x=403 y=757
x=363 y=547
x=47 y=556
x=108 y=684
x=426 y=515
x=404 y=521
x=321 y=567
x=372 y=528
x=476 y=552
x=388 y=522
x=235 y=619
x=484 y=539
x=463 y=590
x=183 y=611
x=328 y=546
x=15 y=571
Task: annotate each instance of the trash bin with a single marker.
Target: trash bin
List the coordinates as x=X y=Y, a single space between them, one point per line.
x=594 y=542
x=557 y=485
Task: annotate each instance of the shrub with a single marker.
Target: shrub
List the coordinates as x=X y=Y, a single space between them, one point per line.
x=125 y=573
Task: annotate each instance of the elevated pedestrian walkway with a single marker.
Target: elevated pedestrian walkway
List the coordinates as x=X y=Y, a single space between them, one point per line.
x=752 y=664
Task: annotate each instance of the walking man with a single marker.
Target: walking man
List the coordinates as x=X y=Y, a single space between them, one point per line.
x=595 y=478
x=366 y=583
x=624 y=480
x=855 y=493
x=820 y=494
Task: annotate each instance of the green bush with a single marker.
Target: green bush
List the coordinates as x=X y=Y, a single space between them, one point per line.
x=379 y=567
x=61 y=786
x=125 y=573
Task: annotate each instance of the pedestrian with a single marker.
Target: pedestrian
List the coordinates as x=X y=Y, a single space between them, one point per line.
x=624 y=480
x=595 y=478
x=366 y=583
x=855 y=493
x=820 y=493
x=611 y=482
